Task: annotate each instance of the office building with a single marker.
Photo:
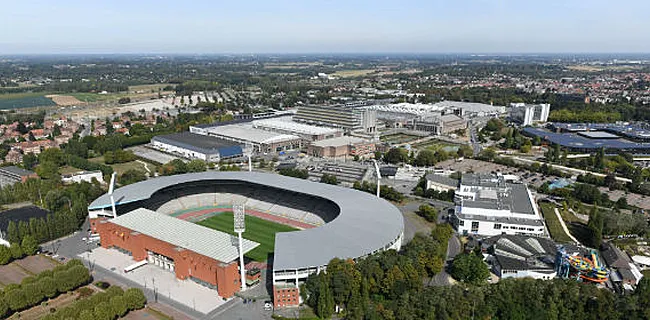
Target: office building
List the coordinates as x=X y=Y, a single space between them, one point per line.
x=529 y=114
x=346 y=117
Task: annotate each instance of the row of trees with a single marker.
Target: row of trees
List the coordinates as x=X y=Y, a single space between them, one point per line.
x=46 y=285
x=424 y=158
x=109 y=305
x=386 y=192
x=367 y=288
x=294 y=172
x=28 y=246
x=178 y=166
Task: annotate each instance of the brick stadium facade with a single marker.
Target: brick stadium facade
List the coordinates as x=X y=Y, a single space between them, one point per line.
x=222 y=275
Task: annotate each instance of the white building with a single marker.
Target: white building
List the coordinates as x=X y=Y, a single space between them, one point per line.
x=529 y=114
x=195 y=146
x=80 y=176
x=440 y=182
x=491 y=205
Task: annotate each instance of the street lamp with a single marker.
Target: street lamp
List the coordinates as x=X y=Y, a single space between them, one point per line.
x=378 y=176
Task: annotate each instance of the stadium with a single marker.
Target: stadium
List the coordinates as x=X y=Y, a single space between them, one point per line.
x=329 y=221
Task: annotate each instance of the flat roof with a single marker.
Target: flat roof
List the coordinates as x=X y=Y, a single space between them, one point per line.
x=574 y=141
x=364 y=224
x=338 y=141
x=211 y=243
x=598 y=135
x=248 y=133
x=17 y=171
x=287 y=124
x=200 y=143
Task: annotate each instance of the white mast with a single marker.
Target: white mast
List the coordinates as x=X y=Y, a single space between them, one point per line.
x=239 y=212
x=111 y=188
x=378 y=176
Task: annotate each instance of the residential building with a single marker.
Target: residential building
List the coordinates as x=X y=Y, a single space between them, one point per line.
x=490 y=205
x=529 y=114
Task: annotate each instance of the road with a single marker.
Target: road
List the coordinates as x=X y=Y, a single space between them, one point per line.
x=443 y=278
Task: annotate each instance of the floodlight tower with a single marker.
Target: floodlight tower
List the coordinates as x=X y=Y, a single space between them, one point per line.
x=239 y=211
x=249 y=152
x=378 y=176
x=111 y=188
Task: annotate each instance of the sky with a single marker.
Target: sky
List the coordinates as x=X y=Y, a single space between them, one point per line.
x=319 y=26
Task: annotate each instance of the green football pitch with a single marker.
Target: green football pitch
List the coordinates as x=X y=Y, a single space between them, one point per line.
x=258 y=230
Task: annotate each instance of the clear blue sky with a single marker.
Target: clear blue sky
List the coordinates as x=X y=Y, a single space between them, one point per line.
x=313 y=26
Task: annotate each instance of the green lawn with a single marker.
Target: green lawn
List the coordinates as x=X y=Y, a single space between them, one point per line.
x=553 y=224
x=258 y=230
x=120 y=168
x=94 y=97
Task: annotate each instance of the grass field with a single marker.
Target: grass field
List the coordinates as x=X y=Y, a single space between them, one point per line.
x=353 y=73
x=398 y=138
x=257 y=230
x=553 y=224
x=24 y=100
x=96 y=97
x=122 y=167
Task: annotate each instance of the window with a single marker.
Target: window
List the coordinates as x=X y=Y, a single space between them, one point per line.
x=461 y=222
x=474 y=226
x=497 y=226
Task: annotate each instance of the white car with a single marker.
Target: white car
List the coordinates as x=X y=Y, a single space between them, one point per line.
x=268 y=306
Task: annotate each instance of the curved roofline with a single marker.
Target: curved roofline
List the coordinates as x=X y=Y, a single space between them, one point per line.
x=365 y=223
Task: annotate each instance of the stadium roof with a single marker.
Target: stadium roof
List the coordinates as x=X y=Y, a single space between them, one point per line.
x=250 y=134
x=286 y=124
x=183 y=234
x=365 y=223
x=201 y=143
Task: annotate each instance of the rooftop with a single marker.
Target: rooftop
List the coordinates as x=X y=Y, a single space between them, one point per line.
x=598 y=135
x=441 y=179
x=199 y=143
x=17 y=171
x=339 y=141
x=516 y=252
x=183 y=234
x=248 y=133
x=286 y=124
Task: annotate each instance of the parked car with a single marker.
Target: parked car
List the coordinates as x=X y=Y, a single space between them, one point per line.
x=268 y=306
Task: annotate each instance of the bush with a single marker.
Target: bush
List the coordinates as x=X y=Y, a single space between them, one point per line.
x=427 y=212
x=102 y=284
x=135 y=299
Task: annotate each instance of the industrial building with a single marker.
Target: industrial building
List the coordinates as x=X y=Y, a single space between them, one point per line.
x=261 y=141
x=194 y=146
x=287 y=126
x=189 y=250
x=349 y=117
x=356 y=224
x=80 y=176
x=341 y=147
x=589 y=141
x=437 y=124
x=529 y=114
x=440 y=183
x=490 y=205
x=516 y=256
x=12 y=174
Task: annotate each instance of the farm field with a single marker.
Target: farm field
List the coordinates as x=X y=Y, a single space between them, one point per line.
x=258 y=230
x=353 y=73
x=96 y=97
x=24 y=100
x=64 y=100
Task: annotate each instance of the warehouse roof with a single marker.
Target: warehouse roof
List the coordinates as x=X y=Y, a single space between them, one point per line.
x=183 y=234
x=200 y=143
x=250 y=134
x=365 y=223
x=285 y=124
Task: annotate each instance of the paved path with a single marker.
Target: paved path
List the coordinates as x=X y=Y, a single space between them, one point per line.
x=566 y=230
x=146 y=167
x=443 y=278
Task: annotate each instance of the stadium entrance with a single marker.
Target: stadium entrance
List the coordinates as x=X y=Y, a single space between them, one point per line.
x=160 y=260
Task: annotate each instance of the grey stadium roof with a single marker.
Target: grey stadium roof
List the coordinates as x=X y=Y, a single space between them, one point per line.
x=183 y=234
x=365 y=223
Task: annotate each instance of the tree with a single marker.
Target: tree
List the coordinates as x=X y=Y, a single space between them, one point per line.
x=5 y=255
x=16 y=299
x=131 y=176
x=196 y=165
x=595 y=226
x=29 y=245
x=16 y=251
x=469 y=268
x=4 y=308
x=13 y=235
x=119 y=306
x=48 y=287
x=325 y=299
x=104 y=311
x=427 y=212
x=86 y=315
x=425 y=158
x=134 y=298
x=396 y=155
x=329 y=179
x=124 y=100
x=29 y=161
x=47 y=170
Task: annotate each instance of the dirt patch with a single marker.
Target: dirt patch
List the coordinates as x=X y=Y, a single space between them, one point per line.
x=37 y=264
x=12 y=273
x=64 y=100
x=148 y=314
